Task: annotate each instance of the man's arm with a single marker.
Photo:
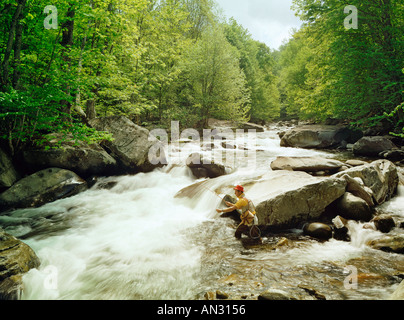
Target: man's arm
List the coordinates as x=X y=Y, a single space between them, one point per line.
x=229 y=209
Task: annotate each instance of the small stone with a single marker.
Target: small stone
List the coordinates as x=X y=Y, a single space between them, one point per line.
x=274 y=294
x=384 y=223
x=209 y=295
x=221 y=295
x=318 y=230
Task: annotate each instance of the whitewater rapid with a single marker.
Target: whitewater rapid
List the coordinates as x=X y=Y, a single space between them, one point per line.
x=129 y=237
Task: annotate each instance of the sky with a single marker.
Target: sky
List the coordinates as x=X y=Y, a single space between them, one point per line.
x=268 y=21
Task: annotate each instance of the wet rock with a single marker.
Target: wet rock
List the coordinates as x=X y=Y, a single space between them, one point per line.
x=398 y=294
x=131 y=144
x=384 y=223
x=356 y=187
x=318 y=230
x=8 y=174
x=313 y=292
x=204 y=170
x=210 y=295
x=16 y=258
x=355 y=162
x=340 y=228
x=66 y=153
x=192 y=190
x=380 y=177
x=354 y=208
x=393 y=243
x=275 y=294
x=226 y=145
x=42 y=187
x=221 y=295
x=11 y=288
x=307 y=164
x=372 y=146
x=295 y=207
x=282 y=242
x=319 y=136
x=392 y=155
x=251 y=126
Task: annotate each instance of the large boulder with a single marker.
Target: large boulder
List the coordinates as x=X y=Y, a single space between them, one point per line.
x=307 y=164
x=300 y=204
x=380 y=177
x=354 y=208
x=42 y=187
x=200 y=169
x=251 y=126
x=319 y=136
x=130 y=146
x=372 y=146
x=16 y=258
x=8 y=174
x=64 y=152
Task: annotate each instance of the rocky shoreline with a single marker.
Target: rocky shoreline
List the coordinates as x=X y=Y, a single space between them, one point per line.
x=325 y=194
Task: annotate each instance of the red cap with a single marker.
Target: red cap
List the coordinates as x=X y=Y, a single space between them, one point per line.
x=239 y=188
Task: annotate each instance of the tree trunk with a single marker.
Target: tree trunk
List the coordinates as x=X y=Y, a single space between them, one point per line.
x=67 y=42
x=5 y=65
x=17 y=55
x=90 y=111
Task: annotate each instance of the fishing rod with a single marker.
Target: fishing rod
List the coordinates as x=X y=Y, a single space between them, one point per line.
x=212 y=192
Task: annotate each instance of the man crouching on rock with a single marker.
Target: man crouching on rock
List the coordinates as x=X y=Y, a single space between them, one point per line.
x=247 y=214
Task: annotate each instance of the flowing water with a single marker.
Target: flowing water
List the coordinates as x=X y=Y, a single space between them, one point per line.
x=129 y=237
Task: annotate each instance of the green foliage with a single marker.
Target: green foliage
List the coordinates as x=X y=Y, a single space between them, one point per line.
x=216 y=85
x=397 y=116
x=328 y=71
x=155 y=61
x=256 y=61
x=151 y=60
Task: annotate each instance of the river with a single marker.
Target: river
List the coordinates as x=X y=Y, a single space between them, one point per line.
x=129 y=237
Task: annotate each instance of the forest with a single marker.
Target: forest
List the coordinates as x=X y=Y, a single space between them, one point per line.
x=155 y=61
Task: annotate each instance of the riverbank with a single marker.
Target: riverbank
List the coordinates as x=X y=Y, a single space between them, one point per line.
x=232 y=267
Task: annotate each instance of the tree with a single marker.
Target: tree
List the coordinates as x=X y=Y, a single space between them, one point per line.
x=216 y=86
x=256 y=61
x=353 y=74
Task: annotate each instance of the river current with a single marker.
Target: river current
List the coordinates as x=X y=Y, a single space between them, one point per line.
x=129 y=237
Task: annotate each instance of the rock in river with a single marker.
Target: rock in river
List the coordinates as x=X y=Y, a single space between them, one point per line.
x=354 y=208
x=42 y=187
x=372 y=146
x=16 y=258
x=8 y=174
x=318 y=136
x=304 y=199
x=200 y=169
x=307 y=164
x=131 y=144
x=63 y=152
x=318 y=230
x=380 y=177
